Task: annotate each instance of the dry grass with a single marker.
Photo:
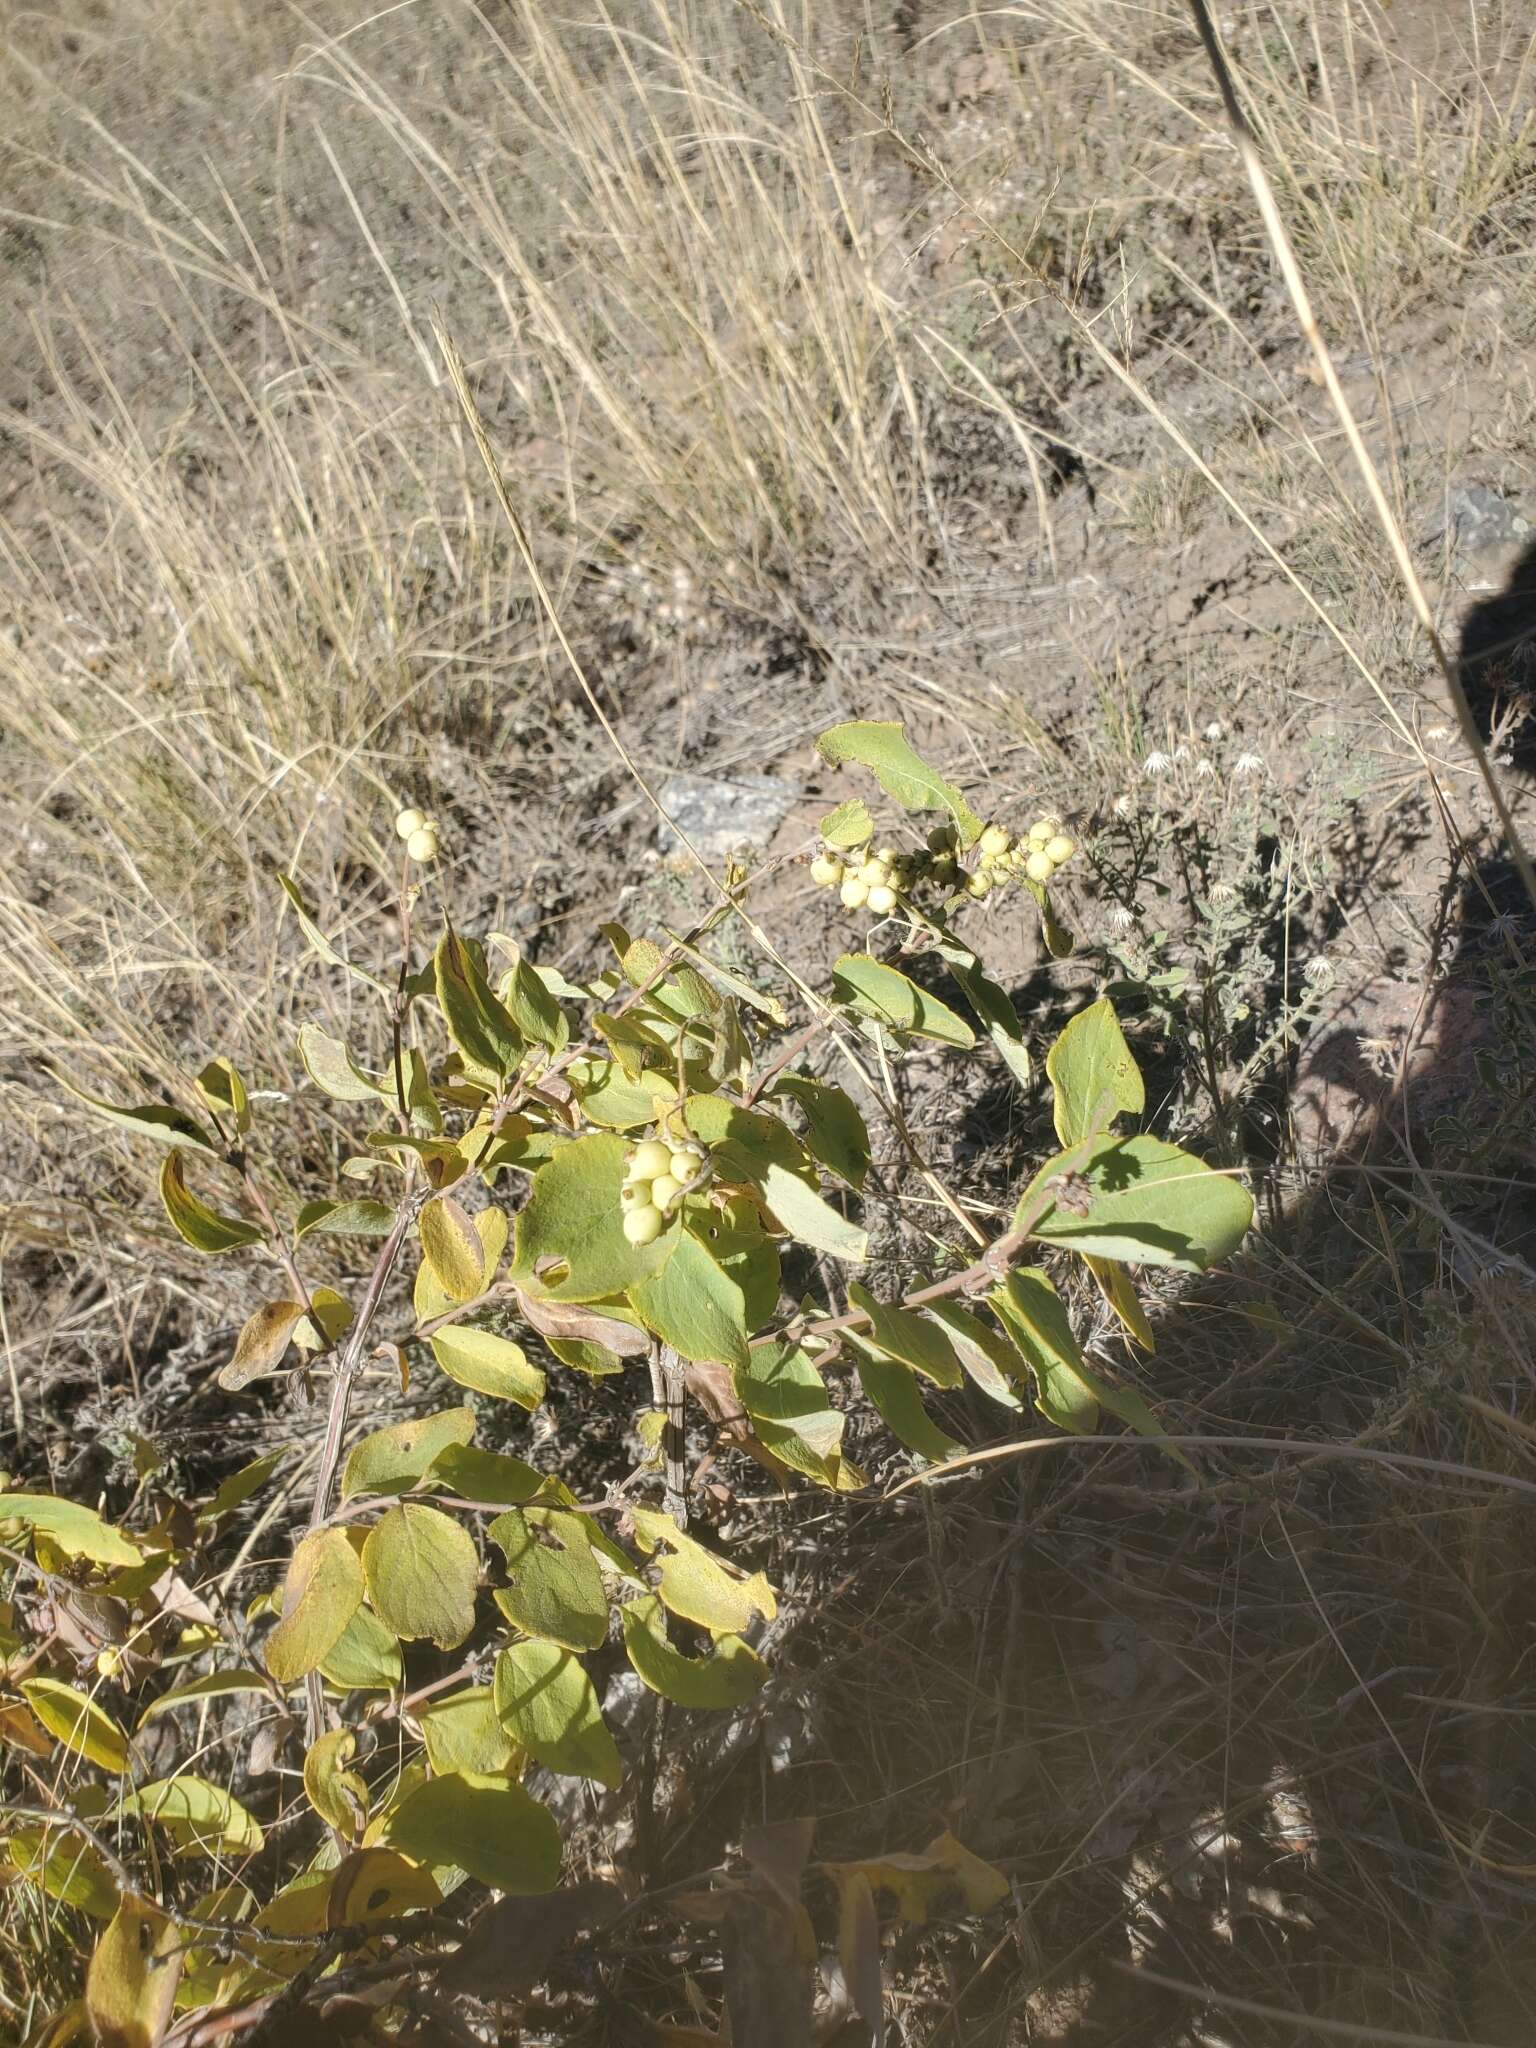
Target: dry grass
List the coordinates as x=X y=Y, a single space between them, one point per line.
x=795 y=431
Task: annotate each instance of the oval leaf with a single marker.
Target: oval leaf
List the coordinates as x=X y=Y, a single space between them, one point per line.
x=75 y=1720
x=130 y=1987
x=453 y=1248
x=202 y=1819
x=1148 y=1203
x=482 y=1825
x=322 y=1592
x=727 y=1678
x=202 y=1228
x=76 y=1530
x=490 y=1364
x=422 y=1570
x=546 y=1701
x=261 y=1344
x=393 y=1459
x=557 y=1588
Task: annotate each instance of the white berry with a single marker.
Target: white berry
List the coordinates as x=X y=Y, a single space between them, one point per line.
x=995 y=841
x=649 y=1158
x=665 y=1190
x=685 y=1164
x=826 y=870
x=1060 y=848
x=853 y=893
x=410 y=821
x=422 y=844
x=643 y=1226
x=1040 y=867
x=882 y=900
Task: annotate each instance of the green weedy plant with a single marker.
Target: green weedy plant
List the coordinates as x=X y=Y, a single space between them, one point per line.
x=616 y=1168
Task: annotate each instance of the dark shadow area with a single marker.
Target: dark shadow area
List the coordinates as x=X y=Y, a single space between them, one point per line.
x=1498 y=661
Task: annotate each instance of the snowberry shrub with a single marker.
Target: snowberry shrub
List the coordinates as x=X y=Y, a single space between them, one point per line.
x=615 y=1170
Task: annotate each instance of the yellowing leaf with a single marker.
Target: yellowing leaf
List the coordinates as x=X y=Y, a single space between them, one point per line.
x=212 y=1685
x=945 y=1874
x=374 y=1885
x=545 y=1699
x=321 y=1593
x=261 y=1344
x=130 y=1987
x=364 y=1656
x=224 y=1092
x=155 y=1120
x=75 y=1530
x=75 y=1719
x=66 y=1866
x=21 y=1729
x=393 y=1459
x=332 y=1068
x=695 y=1584
x=422 y=1569
x=202 y=1228
x=201 y=1818
x=489 y=1364
x=452 y=1247
x=490 y=1476
x=338 y=1795
x=727 y=1678
x=462 y=1733
x=482 y=1825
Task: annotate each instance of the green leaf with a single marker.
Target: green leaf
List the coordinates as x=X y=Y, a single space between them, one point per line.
x=696 y=1585
x=1035 y=1316
x=1094 y=1074
x=220 y=1086
x=237 y=1489
x=155 y=1120
x=321 y=943
x=692 y=1305
x=363 y=1217
x=74 y=1719
x=490 y=1365
x=608 y=1097
x=329 y=1319
x=733 y=984
x=75 y=1529
x=262 y=1343
x=393 y=1459
x=422 y=1570
x=546 y=1701
x=453 y=1249
x=887 y=996
x=903 y=1334
x=809 y=1216
x=532 y=1008
x=334 y=1071
x=893 y=1390
x=477 y=1023
x=462 y=1733
x=900 y=771
x=835 y=1131
x=492 y=1476
x=200 y=1818
x=470 y=1821
x=1058 y=940
x=849 y=825
x=992 y=1362
x=786 y=1398
x=728 y=1678
x=211 y=1686
x=365 y=1657
x=1149 y=1204
x=203 y=1228
x=740 y=1245
x=556 y=1588
x=67 y=1868
x=570 y=1236
x=993 y=1006
x=321 y=1593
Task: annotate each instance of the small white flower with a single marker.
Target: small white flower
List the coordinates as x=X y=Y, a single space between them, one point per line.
x=1319 y=972
x=1181 y=753
x=1121 y=918
x=1248 y=764
x=1438 y=732
x=1157 y=764
x=1205 y=769
x=1215 y=730
x=1125 y=806
x=1223 y=892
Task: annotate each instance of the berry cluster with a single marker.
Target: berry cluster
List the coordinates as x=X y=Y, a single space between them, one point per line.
x=1003 y=858
x=878 y=880
x=419 y=833
x=864 y=880
x=657 y=1174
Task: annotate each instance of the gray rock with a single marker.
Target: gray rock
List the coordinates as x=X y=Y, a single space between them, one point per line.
x=1479 y=519
x=723 y=814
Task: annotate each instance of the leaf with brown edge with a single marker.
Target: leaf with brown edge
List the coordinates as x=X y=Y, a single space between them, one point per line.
x=130 y=1986
x=377 y=1884
x=338 y=1795
x=452 y=1248
x=575 y=1322
x=321 y=1593
x=261 y=1344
